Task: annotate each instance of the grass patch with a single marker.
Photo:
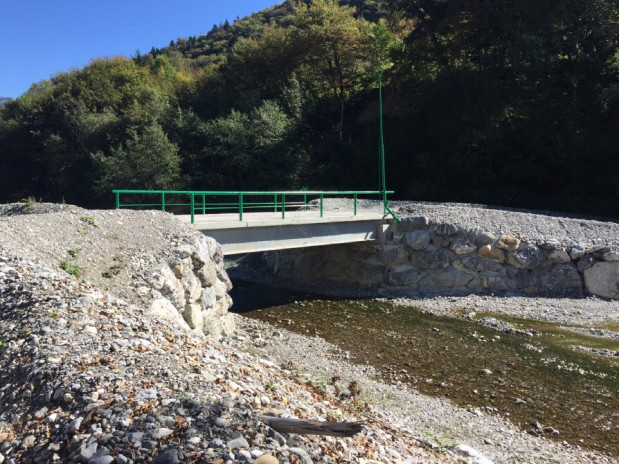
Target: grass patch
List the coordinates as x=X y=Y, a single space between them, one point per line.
x=29 y=202
x=71 y=268
x=74 y=252
x=112 y=271
x=89 y=220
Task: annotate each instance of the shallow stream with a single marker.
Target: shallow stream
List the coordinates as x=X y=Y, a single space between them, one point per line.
x=531 y=375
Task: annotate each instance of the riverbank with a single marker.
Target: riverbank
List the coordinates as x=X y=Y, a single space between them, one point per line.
x=434 y=421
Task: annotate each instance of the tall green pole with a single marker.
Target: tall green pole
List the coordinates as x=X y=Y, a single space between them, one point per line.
x=383 y=186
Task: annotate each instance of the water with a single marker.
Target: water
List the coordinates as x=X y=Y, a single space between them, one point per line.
x=535 y=381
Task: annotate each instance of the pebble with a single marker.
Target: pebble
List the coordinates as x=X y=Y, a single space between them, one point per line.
x=168 y=457
x=266 y=459
x=239 y=442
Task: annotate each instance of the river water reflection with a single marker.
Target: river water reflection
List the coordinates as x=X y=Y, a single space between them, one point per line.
x=536 y=381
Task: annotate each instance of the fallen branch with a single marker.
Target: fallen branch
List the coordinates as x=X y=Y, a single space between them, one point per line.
x=312 y=427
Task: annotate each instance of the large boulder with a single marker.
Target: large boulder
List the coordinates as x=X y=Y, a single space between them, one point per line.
x=527 y=256
x=602 y=279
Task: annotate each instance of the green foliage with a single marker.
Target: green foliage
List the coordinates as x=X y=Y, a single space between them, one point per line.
x=71 y=268
x=74 y=252
x=148 y=160
x=513 y=103
x=113 y=271
x=253 y=150
x=89 y=220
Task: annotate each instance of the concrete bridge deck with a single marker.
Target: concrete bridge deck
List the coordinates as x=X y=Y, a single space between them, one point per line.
x=264 y=231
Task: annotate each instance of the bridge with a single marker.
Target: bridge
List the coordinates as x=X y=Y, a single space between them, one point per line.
x=251 y=221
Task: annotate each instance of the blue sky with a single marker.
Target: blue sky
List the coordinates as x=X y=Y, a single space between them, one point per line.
x=39 y=38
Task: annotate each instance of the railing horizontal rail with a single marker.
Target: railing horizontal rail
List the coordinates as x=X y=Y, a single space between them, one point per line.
x=279 y=200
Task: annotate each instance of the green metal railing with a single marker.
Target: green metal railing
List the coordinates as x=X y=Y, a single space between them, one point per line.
x=219 y=201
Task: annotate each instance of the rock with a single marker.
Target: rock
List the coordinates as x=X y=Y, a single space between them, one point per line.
x=392 y=255
x=207 y=275
x=559 y=256
x=561 y=280
x=586 y=262
x=441 y=241
x=266 y=459
x=577 y=252
x=301 y=454
x=147 y=394
x=216 y=443
x=162 y=307
x=192 y=286
x=475 y=457
x=161 y=433
x=602 y=279
x=88 y=451
x=172 y=287
x=430 y=259
x=29 y=441
x=611 y=256
x=193 y=316
x=527 y=256
x=245 y=456
x=209 y=299
x=491 y=282
x=404 y=278
x=508 y=243
x=418 y=240
x=484 y=238
x=446 y=278
x=167 y=457
x=462 y=246
x=485 y=372
x=238 y=442
x=492 y=253
x=445 y=229
x=107 y=459
x=275 y=435
x=477 y=264
x=550 y=245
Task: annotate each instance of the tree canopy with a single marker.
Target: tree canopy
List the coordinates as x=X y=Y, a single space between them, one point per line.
x=499 y=102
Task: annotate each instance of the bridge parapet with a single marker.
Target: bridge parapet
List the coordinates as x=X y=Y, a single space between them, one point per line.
x=213 y=201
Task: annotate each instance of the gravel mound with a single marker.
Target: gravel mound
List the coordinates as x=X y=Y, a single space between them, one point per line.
x=528 y=225
x=87 y=375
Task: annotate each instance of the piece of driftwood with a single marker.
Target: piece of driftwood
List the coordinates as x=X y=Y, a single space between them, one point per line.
x=312 y=427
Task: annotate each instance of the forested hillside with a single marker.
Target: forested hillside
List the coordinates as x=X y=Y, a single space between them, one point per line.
x=504 y=103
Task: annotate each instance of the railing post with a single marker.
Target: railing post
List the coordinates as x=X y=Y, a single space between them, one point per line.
x=240 y=206
x=192 y=207
x=203 y=203
x=305 y=202
x=117 y=200
x=283 y=205
x=275 y=204
x=162 y=201
x=321 y=198
x=355 y=203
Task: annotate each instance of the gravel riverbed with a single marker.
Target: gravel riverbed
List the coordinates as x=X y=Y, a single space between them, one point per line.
x=89 y=376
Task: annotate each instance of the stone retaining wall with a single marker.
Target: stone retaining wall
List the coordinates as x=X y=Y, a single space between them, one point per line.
x=192 y=287
x=422 y=258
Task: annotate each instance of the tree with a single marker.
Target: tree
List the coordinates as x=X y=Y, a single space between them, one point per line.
x=148 y=160
x=336 y=49
x=253 y=150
